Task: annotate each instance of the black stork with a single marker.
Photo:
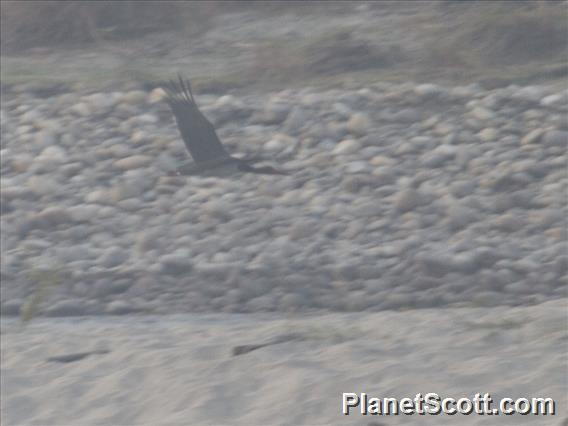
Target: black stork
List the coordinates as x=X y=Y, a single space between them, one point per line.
x=208 y=153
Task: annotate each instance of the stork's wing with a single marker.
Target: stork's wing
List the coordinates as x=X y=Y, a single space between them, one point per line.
x=197 y=132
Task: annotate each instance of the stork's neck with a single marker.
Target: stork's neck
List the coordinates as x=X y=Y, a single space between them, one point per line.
x=264 y=170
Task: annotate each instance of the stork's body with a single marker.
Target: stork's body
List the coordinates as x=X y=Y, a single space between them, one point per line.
x=208 y=153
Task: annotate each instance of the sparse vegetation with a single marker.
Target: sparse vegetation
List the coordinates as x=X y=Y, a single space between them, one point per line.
x=34 y=24
x=525 y=42
x=453 y=41
x=49 y=23
x=333 y=53
x=44 y=281
x=500 y=33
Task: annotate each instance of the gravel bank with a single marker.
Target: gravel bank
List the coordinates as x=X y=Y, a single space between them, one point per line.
x=401 y=196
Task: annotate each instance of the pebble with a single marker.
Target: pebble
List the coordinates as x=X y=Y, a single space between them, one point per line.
x=42 y=186
x=120 y=307
x=429 y=90
x=83 y=212
x=273 y=113
x=173 y=264
x=347 y=146
x=82 y=109
x=439 y=155
x=127 y=189
x=100 y=103
x=113 y=257
x=134 y=97
x=529 y=93
x=295 y=121
x=279 y=142
x=532 y=137
x=405 y=115
x=358 y=124
x=156 y=95
x=556 y=138
x=488 y=134
x=133 y=162
x=48 y=138
x=31 y=116
x=12 y=307
x=407 y=200
x=552 y=100
x=483 y=114
x=303 y=229
x=461 y=189
x=66 y=308
x=358 y=167
x=54 y=153
x=53 y=216
x=459 y=217
x=444 y=129
x=98 y=196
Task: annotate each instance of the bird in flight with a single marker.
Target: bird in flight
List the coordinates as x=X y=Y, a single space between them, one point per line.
x=208 y=153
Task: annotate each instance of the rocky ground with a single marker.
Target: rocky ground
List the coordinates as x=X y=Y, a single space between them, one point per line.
x=400 y=196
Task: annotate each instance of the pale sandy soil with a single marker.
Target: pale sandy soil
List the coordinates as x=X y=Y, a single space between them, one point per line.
x=181 y=370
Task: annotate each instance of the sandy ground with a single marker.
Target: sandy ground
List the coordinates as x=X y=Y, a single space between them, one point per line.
x=182 y=370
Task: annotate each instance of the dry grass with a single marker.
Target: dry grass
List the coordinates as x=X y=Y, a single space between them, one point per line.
x=474 y=40
x=500 y=33
x=49 y=23
x=511 y=35
x=334 y=53
x=44 y=282
x=460 y=41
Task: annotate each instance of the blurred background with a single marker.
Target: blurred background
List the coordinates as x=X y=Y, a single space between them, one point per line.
x=431 y=167
x=426 y=145
x=231 y=44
